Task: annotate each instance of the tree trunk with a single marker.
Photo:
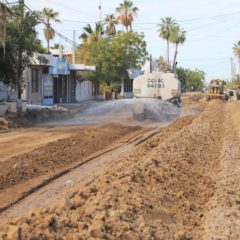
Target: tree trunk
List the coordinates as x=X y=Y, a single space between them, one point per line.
x=48 y=35
x=168 y=53
x=48 y=45
x=19 y=74
x=239 y=65
x=20 y=59
x=175 y=59
x=126 y=14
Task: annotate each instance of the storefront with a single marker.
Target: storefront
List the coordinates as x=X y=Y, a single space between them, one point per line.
x=62 y=81
x=55 y=81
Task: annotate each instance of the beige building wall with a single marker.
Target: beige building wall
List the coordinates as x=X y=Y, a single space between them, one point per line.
x=33 y=87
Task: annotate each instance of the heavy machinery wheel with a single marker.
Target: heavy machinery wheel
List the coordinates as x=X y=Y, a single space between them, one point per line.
x=207 y=98
x=177 y=102
x=226 y=97
x=138 y=112
x=138 y=117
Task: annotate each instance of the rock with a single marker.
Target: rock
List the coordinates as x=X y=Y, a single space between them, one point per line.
x=83 y=195
x=3 y=123
x=238 y=201
x=156 y=162
x=179 y=194
x=13 y=232
x=96 y=230
x=68 y=204
x=52 y=223
x=96 y=233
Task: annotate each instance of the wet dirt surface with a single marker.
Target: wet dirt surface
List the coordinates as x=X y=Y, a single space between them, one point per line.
x=182 y=183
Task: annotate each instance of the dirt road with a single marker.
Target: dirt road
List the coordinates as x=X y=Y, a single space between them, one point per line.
x=56 y=150
x=180 y=182
x=24 y=140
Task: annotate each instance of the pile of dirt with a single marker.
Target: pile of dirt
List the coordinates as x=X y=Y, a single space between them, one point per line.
x=18 y=120
x=223 y=214
x=12 y=120
x=193 y=102
x=55 y=113
x=158 y=192
x=3 y=123
x=59 y=154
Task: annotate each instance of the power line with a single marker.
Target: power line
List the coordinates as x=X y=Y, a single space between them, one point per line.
x=203 y=59
x=214 y=34
x=217 y=17
x=212 y=17
x=74 y=9
x=151 y=29
x=78 y=21
x=212 y=65
x=193 y=19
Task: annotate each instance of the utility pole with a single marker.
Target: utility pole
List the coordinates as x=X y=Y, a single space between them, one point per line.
x=150 y=59
x=21 y=2
x=74 y=48
x=232 y=69
x=100 y=10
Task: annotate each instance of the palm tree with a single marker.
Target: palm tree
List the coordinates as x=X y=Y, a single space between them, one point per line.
x=162 y=64
x=111 y=23
x=178 y=37
x=47 y=16
x=5 y=12
x=126 y=12
x=165 y=30
x=236 y=51
x=92 y=35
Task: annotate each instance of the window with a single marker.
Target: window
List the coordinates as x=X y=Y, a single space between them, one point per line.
x=35 y=80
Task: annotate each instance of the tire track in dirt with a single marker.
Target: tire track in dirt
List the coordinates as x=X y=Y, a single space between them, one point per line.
x=59 y=154
x=25 y=173
x=223 y=216
x=136 y=140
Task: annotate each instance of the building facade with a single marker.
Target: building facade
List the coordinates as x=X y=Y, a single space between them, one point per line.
x=52 y=80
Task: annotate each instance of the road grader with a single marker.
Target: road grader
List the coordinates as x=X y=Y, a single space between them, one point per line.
x=216 y=90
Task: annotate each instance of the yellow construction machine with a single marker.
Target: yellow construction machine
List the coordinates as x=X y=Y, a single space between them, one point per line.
x=216 y=90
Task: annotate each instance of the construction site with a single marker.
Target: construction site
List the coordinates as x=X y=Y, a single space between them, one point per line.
x=176 y=180
x=119 y=120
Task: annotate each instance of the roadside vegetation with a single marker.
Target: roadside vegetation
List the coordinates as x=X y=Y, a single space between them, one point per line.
x=173 y=33
x=19 y=43
x=47 y=16
x=191 y=80
x=114 y=51
x=234 y=83
x=111 y=45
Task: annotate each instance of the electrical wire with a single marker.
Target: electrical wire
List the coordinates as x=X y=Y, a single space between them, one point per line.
x=73 y=9
x=212 y=65
x=87 y=49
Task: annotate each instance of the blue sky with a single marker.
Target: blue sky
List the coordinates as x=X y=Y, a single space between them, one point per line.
x=213 y=26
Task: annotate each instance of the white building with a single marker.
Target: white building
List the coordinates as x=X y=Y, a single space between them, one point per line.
x=52 y=80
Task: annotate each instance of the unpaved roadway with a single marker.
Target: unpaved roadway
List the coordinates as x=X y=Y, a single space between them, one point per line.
x=56 y=150
x=177 y=182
